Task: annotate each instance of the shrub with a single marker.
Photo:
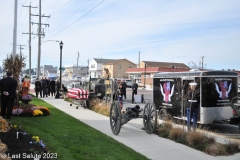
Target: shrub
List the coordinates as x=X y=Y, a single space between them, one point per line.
x=198 y=140
x=232 y=147
x=215 y=149
x=164 y=129
x=176 y=134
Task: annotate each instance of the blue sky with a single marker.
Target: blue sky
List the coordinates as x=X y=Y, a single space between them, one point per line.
x=180 y=31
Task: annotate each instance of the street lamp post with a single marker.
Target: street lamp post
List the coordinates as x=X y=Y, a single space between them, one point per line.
x=61 y=46
x=145 y=76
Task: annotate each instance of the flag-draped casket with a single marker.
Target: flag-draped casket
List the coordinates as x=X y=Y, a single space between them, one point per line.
x=77 y=93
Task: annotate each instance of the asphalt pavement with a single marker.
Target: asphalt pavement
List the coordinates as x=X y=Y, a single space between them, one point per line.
x=131 y=134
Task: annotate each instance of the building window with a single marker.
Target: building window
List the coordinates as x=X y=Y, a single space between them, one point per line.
x=130 y=66
x=92 y=65
x=119 y=66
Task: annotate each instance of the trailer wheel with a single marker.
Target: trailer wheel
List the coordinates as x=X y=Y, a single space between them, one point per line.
x=162 y=114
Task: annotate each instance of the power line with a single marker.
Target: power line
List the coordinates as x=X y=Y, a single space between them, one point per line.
x=70 y=15
x=78 y=18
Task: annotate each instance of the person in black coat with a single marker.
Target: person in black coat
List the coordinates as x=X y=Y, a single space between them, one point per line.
x=134 y=90
x=58 y=89
x=52 y=87
x=44 y=87
x=49 y=87
x=124 y=87
x=38 y=88
x=8 y=87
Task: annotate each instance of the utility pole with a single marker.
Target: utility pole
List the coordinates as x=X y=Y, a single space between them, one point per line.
x=202 y=61
x=77 y=64
x=29 y=41
x=15 y=30
x=139 y=59
x=40 y=33
x=21 y=48
x=88 y=67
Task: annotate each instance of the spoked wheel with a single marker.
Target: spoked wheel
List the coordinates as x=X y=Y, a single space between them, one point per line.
x=115 y=118
x=150 y=117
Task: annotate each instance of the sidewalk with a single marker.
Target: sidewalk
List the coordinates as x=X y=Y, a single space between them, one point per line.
x=150 y=145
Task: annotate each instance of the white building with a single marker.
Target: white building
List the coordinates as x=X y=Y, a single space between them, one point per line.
x=96 y=67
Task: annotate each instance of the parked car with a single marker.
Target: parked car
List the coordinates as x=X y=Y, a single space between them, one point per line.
x=73 y=85
x=129 y=83
x=77 y=79
x=33 y=79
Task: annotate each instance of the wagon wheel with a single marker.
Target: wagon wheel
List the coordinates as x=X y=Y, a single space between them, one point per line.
x=150 y=117
x=115 y=118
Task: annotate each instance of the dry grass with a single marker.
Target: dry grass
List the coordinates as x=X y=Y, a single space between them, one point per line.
x=176 y=134
x=100 y=106
x=194 y=138
x=163 y=129
x=215 y=149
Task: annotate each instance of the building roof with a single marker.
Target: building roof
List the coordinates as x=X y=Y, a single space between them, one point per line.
x=48 y=67
x=100 y=60
x=165 y=64
x=155 y=70
x=52 y=71
x=117 y=61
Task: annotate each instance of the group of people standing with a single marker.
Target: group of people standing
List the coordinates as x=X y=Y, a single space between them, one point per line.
x=122 y=91
x=46 y=87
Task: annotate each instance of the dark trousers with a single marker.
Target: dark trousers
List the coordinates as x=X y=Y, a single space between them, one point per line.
x=38 y=92
x=133 y=93
x=124 y=92
x=45 y=93
x=53 y=92
x=49 y=91
x=8 y=104
x=57 y=95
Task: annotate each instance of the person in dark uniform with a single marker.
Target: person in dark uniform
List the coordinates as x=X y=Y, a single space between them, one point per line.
x=57 y=89
x=49 y=87
x=44 y=87
x=124 y=87
x=8 y=87
x=134 y=90
x=38 y=88
x=52 y=87
x=193 y=106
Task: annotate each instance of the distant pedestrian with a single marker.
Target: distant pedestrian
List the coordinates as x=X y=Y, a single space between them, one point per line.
x=120 y=95
x=52 y=87
x=44 y=87
x=57 y=89
x=38 y=88
x=49 y=87
x=124 y=87
x=8 y=87
x=134 y=90
x=193 y=106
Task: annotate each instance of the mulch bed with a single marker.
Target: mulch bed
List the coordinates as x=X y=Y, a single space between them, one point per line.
x=21 y=148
